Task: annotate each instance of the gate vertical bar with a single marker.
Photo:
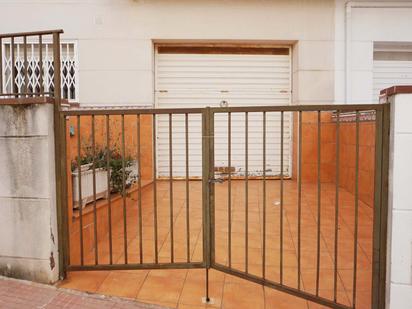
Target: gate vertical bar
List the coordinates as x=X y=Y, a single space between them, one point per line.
x=93 y=137
x=264 y=198
x=207 y=193
x=25 y=66
x=63 y=209
x=41 y=71
x=229 y=187
x=380 y=207
x=319 y=205
x=246 y=192
x=377 y=210
x=124 y=194
x=384 y=201
x=109 y=198
x=211 y=210
x=281 y=197
x=355 y=237
x=139 y=184
x=187 y=187
x=299 y=194
x=171 y=189
x=336 y=235
x=12 y=82
x=60 y=162
x=80 y=205
x=154 y=187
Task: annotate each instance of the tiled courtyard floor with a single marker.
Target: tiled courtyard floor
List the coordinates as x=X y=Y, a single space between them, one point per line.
x=185 y=288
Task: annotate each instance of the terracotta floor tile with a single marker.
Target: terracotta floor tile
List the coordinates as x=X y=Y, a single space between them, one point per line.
x=199 y=274
x=245 y=295
x=194 y=290
x=184 y=288
x=183 y=306
x=279 y=300
x=123 y=284
x=161 y=288
x=89 y=281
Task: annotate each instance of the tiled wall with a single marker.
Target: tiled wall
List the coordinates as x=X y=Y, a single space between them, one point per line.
x=347 y=153
x=366 y=172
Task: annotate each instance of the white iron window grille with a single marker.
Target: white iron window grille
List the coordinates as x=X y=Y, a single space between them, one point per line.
x=69 y=73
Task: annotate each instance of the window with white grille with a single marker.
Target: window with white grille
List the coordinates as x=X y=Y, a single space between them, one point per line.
x=69 y=73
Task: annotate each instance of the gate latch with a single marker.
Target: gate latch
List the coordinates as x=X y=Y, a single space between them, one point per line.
x=216 y=180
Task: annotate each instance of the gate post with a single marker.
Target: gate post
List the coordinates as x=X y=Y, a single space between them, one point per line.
x=207 y=192
x=60 y=161
x=396 y=281
x=380 y=215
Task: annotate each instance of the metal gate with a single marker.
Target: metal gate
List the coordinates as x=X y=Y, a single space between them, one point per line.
x=287 y=234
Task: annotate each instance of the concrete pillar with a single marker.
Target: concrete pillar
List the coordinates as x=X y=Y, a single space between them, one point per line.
x=399 y=275
x=28 y=220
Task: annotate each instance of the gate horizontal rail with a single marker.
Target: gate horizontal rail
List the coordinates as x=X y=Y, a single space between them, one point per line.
x=278 y=108
x=175 y=211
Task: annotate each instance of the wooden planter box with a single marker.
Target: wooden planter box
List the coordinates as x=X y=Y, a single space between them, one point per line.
x=87 y=186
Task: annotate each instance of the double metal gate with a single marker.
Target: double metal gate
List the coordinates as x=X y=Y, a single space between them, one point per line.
x=303 y=235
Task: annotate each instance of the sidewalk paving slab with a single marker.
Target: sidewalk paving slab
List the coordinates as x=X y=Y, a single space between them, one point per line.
x=19 y=294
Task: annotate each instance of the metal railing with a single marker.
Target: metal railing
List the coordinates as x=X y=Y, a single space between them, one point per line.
x=155 y=210
x=379 y=207
x=21 y=77
x=114 y=125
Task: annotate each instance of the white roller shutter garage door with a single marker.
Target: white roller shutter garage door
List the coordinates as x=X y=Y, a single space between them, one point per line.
x=199 y=79
x=391 y=68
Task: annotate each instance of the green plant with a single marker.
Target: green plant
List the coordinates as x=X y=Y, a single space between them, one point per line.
x=116 y=172
x=117 y=165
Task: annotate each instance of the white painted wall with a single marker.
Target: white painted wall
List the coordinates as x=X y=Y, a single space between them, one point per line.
x=399 y=294
x=115 y=38
x=332 y=39
x=358 y=25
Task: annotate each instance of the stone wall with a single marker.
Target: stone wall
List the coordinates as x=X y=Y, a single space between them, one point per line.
x=28 y=220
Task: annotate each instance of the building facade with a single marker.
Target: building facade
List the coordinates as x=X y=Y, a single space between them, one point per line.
x=235 y=52
x=339 y=51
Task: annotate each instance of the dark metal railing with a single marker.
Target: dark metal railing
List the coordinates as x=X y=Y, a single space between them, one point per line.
x=152 y=205
x=379 y=223
x=15 y=73
x=123 y=119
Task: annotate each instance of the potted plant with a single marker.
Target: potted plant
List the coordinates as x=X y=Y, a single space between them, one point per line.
x=99 y=157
